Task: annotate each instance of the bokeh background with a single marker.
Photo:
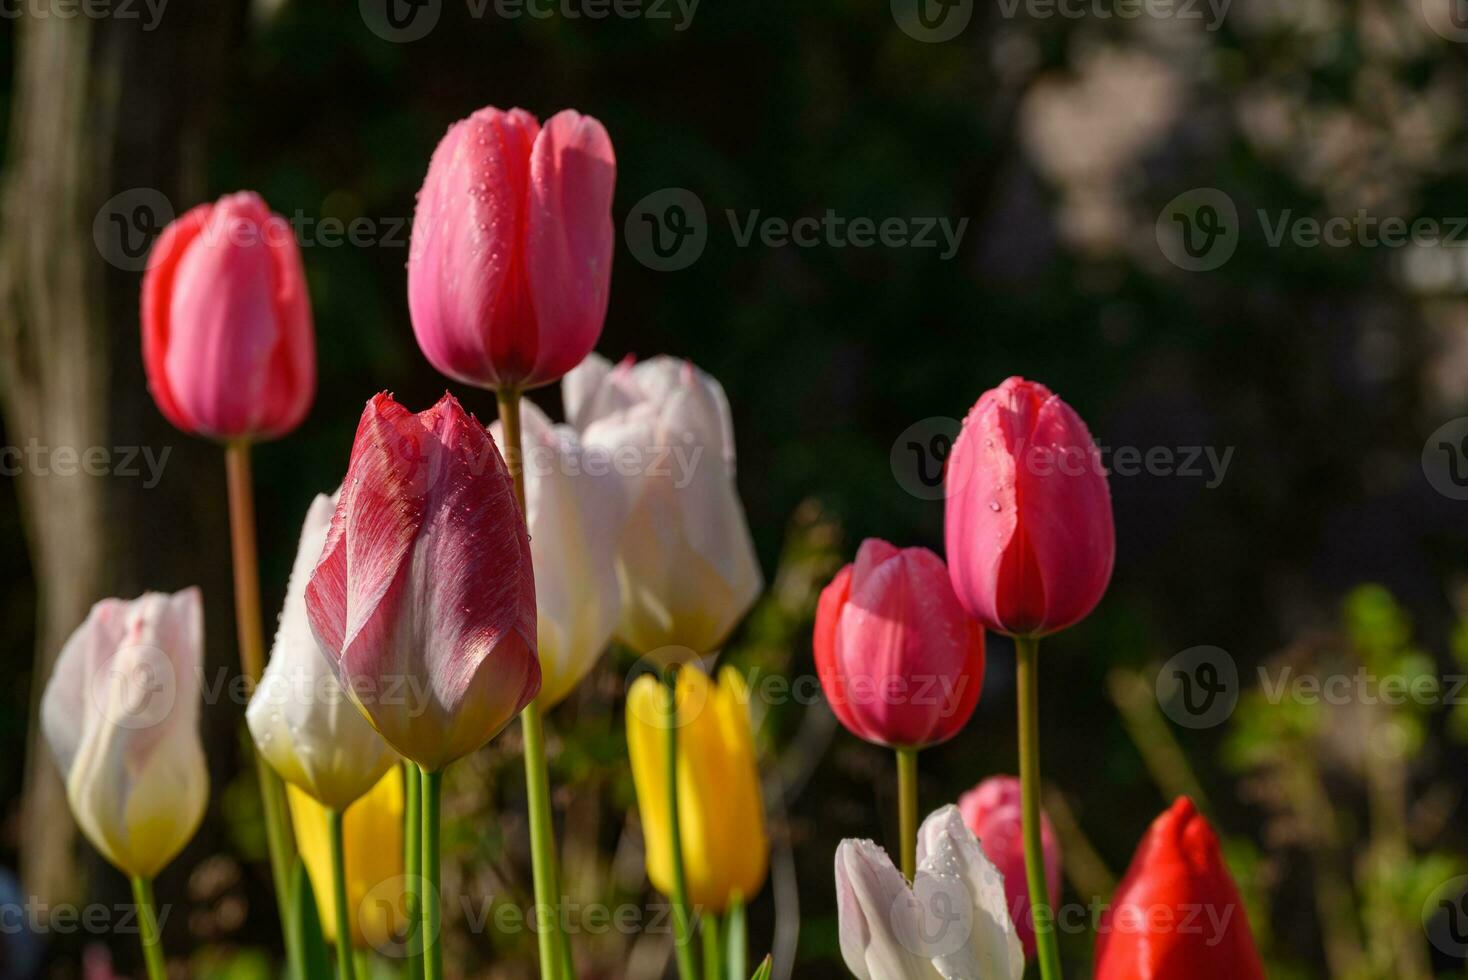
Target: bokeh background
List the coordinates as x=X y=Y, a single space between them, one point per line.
x=1333 y=543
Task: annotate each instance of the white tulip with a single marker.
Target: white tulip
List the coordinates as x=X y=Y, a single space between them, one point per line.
x=302 y=721
x=953 y=922
x=686 y=560
x=121 y=713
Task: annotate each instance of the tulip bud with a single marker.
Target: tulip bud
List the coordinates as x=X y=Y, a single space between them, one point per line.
x=721 y=814
x=1029 y=531
x=303 y=722
x=228 y=345
x=992 y=811
x=951 y=922
x=686 y=561
x=576 y=510
x=510 y=262
x=372 y=832
x=424 y=599
x=901 y=663
x=1178 y=876
x=121 y=713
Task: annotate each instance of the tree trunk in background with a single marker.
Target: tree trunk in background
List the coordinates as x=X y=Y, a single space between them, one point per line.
x=106 y=129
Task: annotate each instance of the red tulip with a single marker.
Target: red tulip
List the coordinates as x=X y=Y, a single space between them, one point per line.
x=1177 y=915
x=511 y=257
x=992 y=811
x=900 y=662
x=1029 y=532
x=228 y=345
x=423 y=597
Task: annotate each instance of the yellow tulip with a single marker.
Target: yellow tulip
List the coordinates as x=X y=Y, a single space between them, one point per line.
x=720 y=808
x=373 y=831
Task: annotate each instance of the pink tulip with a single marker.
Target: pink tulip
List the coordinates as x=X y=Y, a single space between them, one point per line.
x=992 y=811
x=1029 y=532
x=511 y=257
x=228 y=345
x=900 y=662
x=424 y=598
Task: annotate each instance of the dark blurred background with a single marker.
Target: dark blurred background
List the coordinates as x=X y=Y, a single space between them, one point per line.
x=1075 y=141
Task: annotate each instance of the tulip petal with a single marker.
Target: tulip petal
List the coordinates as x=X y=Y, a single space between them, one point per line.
x=962 y=896
x=879 y=919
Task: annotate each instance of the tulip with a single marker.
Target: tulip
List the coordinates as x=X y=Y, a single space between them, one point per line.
x=1029 y=531
x=121 y=713
x=575 y=510
x=900 y=661
x=992 y=811
x=721 y=821
x=510 y=263
x=302 y=721
x=374 y=860
x=227 y=339
x=423 y=598
x=1177 y=878
x=951 y=922
x=686 y=562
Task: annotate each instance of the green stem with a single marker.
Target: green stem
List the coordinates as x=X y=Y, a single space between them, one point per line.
x=148 y=928
x=537 y=774
x=413 y=860
x=907 y=809
x=345 y=968
x=713 y=959
x=432 y=911
x=736 y=940
x=246 y=563
x=682 y=928
x=1027 y=653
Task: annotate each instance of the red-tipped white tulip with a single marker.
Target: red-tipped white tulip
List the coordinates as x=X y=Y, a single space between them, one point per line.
x=424 y=597
x=510 y=263
x=227 y=339
x=121 y=713
x=1029 y=530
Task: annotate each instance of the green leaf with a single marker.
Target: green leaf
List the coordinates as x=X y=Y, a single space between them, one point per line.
x=313 y=960
x=763 y=973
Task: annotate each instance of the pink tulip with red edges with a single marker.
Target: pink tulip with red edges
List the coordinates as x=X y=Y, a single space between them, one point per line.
x=900 y=662
x=228 y=345
x=1030 y=537
x=992 y=811
x=423 y=598
x=510 y=263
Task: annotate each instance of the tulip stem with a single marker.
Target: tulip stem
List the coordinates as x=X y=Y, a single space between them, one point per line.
x=413 y=860
x=907 y=809
x=713 y=960
x=278 y=839
x=148 y=928
x=682 y=928
x=431 y=797
x=1027 y=655
x=345 y=966
x=532 y=724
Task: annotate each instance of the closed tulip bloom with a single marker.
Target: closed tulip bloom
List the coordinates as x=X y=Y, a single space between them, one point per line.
x=1029 y=530
x=510 y=262
x=992 y=812
x=686 y=560
x=424 y=599
x=951 y=922
x=900 y=661
x=121 y=713
x=576 y=510
x=372 y=831
x=302 y=721
x=228 y=344
x=1177 y=877
x=721 y=813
